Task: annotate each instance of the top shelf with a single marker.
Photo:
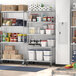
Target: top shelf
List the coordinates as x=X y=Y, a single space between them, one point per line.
x=23 y=11
x=40 y=11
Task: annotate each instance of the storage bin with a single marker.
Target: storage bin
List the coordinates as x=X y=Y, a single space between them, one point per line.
x=39 y=55
x=43 y=43
x=47 y=52
x=47 y=58
x=31 y=54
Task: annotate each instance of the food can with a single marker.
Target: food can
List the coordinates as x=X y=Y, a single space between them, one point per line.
x=15 y=34
x=24 y=38
x=7 y=39
x=9 y=34
x=4 y=34
x=11 y=39
x=49 y=19
x=15 y=39
x=44 y=18
x=3 y=39
x=20 y=37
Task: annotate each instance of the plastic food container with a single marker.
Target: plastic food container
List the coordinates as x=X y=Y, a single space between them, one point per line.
x=51 y=26
x=38 y=19
x=51 y=43
x=42 y=31
x=44 y=43
x=48 y=31
x=32 y=30
x=52 y=31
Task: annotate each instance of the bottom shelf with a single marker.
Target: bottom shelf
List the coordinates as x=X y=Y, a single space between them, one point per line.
x=38 y=61
x=12 y=60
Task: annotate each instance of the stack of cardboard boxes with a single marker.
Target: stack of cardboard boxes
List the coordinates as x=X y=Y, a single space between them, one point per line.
x=74 y=24
x=11 y=53
x=0 y=19
x=14 y=8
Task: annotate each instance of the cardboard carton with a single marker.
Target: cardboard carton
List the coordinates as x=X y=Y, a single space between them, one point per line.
x=6 y=51
x=13 y=52
x=9 y=7
x=3 y=8
x=10 y=52
x=74 y=21
x=16 y=56
x=22 y=7
x=9 y=47
x=6 y=56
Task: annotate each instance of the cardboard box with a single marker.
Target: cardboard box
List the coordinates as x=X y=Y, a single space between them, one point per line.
x=6 y=56
x=6 y=51
x=9 y=7
x=22 y=7
x=9 y=47
x=12 y=52
x=16 y=56
x=74 y=21
x=3 y=8
x=74 y=13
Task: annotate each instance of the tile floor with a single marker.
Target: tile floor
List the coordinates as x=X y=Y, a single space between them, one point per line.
x=46 y=72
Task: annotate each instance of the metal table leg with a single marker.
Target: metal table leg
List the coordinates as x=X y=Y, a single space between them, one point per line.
x=74 y=74
x=52 y=73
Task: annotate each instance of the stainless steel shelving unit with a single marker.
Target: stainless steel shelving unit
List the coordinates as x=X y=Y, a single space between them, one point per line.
x=72 y=44
x=15 y=27
x=41 y=35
